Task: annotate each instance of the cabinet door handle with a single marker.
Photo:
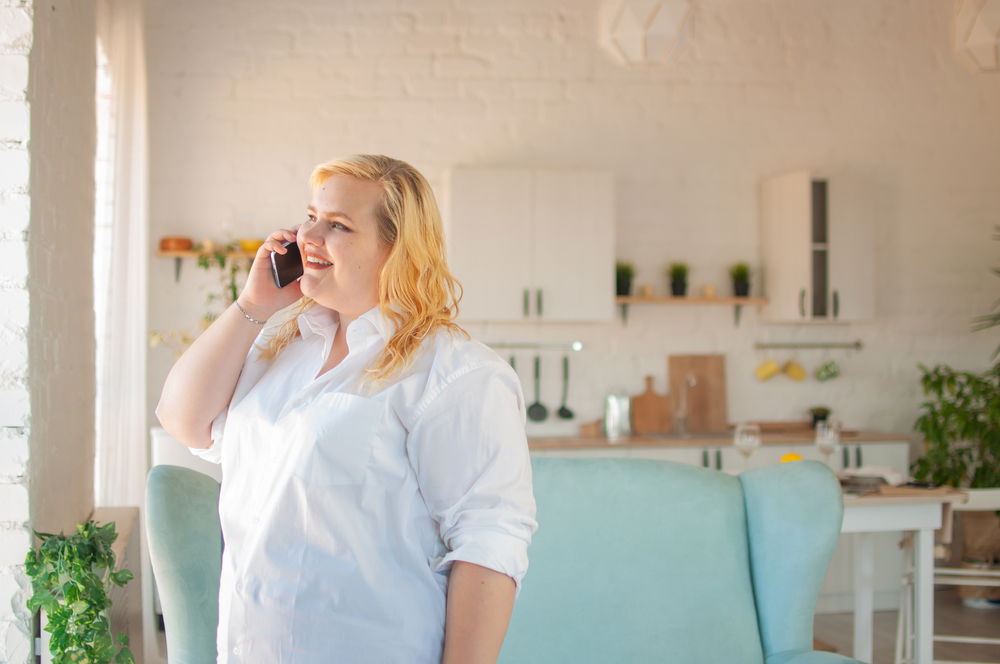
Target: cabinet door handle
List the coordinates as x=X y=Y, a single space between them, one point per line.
x=704 y=458
x=538 y=301
x=802 y=303
x=718 y=459
x=847 y=457
x=836 y=304
x=527 y=301
x=857 y=457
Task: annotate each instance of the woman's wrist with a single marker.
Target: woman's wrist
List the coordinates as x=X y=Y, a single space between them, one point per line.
x=251 y=313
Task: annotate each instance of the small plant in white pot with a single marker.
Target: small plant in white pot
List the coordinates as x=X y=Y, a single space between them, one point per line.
x=71 y=576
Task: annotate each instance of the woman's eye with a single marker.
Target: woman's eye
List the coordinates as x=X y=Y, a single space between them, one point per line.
x=310 y=218
x=334 y=224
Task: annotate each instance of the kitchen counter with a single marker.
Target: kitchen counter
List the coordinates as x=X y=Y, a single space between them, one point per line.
x=702 y=440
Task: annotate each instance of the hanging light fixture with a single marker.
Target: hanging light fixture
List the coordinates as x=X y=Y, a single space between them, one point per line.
x=646 y=31
x=975 y=33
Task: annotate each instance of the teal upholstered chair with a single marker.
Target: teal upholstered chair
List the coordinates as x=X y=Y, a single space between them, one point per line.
x=634 y=562
x=640 y=561
x=185 y=549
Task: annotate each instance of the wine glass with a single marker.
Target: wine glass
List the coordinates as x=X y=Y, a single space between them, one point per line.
x=746 y=439
x=827 y=437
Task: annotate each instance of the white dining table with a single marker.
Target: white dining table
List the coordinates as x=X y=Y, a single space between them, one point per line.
x=866 y=515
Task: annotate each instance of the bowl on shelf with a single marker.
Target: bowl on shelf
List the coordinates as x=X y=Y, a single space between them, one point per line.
x=176 y=243
x=250 y=245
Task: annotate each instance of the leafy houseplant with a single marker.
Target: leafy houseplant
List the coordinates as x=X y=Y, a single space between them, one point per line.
x=678 y=273
x=623 y=278
x=961 y=426
x=960 y=423
x=70 y=580
x=229 y=269
x=740 y=274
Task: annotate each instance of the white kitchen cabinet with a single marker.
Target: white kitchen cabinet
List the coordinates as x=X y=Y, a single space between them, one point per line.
x=817 y=248
x=531 y=245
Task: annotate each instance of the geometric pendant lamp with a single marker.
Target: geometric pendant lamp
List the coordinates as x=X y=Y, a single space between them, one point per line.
x=646 y=31
x=975 y=34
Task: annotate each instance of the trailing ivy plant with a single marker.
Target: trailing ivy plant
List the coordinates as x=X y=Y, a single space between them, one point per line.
x=229 y=268
x=961 y=426
x=70 y=580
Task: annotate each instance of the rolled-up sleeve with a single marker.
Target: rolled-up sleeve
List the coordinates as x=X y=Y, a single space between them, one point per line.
x=470 y=453
x=213 y=453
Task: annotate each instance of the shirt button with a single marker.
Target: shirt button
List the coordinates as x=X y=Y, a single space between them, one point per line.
x=236 y=651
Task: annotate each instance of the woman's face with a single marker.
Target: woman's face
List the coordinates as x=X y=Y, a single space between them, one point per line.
x=341 y=230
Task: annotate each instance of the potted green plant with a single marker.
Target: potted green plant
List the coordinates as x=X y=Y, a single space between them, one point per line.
x=678 y=273
x=740 y=274
x=624 y=271
x=70 y=580
x=210 y=257
x=229 y=268
x=819 y=414
x=960 y=423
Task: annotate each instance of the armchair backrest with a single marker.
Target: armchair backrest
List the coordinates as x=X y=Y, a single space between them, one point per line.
x=653 y=561
x=634 y=561
x=185 y=550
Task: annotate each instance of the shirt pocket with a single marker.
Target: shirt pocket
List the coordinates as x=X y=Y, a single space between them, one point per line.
x=336 y=432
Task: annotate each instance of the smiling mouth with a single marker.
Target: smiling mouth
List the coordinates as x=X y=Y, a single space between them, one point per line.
x=316 y=266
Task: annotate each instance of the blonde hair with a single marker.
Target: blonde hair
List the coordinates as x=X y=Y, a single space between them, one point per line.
x=415 y=278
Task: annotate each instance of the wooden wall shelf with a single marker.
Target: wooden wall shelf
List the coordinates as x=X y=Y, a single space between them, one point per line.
x=736 y=302
x=179 y=257
x=635 y=299
x=194 y=254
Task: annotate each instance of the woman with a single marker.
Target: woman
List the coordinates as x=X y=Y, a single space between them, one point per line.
x=376 y=502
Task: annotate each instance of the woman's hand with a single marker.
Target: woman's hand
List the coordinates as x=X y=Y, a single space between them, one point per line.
x=260 y=297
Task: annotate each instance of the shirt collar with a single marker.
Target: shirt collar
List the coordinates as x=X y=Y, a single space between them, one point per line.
x=321 y=321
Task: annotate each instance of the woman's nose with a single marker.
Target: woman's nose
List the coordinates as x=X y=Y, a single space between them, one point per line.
x=308 y=234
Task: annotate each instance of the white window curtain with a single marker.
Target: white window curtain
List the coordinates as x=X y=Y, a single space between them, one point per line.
x=121 y=255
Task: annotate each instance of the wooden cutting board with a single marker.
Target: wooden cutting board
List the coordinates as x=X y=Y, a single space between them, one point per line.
x=651 y=412
x=707 y=399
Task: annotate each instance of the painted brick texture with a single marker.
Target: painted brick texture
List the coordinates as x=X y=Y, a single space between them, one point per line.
x=15 y=44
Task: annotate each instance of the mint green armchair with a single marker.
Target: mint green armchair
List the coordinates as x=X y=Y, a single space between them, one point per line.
x=185 y=551
x=640 y=561
x=634 y=562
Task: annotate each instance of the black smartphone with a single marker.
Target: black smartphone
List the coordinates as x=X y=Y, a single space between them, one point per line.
x=286 y=267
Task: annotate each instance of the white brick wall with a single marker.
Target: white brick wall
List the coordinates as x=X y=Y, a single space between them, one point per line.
x=15 y=44
x=763 y=87
x=47 y=376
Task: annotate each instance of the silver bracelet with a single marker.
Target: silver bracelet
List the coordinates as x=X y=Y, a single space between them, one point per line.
x=248 y=316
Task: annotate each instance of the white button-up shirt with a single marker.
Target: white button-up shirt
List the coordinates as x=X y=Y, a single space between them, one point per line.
x=342 y=511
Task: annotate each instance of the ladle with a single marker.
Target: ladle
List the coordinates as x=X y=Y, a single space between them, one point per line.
x=564 y=412
x=536 y=411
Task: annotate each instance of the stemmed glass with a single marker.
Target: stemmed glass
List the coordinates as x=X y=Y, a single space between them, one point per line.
x=827 y=437
x=746 y=440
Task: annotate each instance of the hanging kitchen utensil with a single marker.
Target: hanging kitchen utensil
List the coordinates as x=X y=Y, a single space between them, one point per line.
x=565 y=412
x=536 y=411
